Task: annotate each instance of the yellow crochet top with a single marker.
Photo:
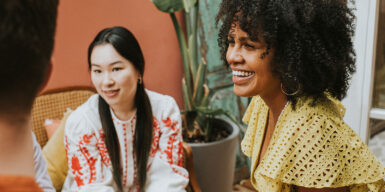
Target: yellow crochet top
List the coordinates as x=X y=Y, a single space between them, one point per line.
x=310 y=147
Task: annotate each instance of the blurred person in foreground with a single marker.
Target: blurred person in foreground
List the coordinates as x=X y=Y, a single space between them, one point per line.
x=27 y=29
x=295 y=58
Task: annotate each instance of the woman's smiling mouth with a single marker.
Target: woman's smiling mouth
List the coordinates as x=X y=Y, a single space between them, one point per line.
x=240 y=77
x=111 y=93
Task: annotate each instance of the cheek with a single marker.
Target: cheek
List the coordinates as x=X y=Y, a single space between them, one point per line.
x=95 y=80
x=127 y=78
x=254 y=62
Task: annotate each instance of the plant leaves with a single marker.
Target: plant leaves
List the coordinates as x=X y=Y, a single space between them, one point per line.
x=216 y=112
x=169 y=6
x=200 y=78
x=207 y=111
x=187 y=95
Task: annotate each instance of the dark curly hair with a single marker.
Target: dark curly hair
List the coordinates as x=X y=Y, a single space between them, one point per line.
x=312 y=40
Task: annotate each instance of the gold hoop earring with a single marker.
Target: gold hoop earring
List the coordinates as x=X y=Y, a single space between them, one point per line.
x=291 y=94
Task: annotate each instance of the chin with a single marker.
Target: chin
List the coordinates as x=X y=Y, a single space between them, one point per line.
x=109 y=101
x=243 y=93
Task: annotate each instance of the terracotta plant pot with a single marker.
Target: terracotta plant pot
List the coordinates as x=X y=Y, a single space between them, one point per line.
x=214 y=162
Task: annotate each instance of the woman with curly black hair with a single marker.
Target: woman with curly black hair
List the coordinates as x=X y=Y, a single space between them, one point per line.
x=295 y=58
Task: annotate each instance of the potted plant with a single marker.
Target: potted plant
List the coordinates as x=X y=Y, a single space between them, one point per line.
x=213 y=140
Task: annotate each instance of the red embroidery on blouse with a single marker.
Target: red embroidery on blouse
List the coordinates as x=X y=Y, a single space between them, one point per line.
x=174 y=149
x=75 y=165
x=90 y=160
x=179 y=173
x=155 y=137
x=169 y=149
x=180 y=154
x=86 y=138
x=173 y=144
x=172 y=124
x=79 y=180
x=102 y=148
x=126 y=154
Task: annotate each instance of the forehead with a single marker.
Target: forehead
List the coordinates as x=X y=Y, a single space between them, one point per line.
x=238 y=33
x=105 y=54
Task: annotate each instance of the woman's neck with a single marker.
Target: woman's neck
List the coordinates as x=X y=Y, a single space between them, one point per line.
x=276 y=103
x=16 y=146
x=124 y=113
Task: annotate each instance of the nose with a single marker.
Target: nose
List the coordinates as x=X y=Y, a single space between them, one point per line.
x=233 y=55
x=108 y=80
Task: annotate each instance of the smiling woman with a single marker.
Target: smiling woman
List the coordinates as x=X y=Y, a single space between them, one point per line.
x=125 y=138
x=295 y=58
x=251 y=72
x=115 y=78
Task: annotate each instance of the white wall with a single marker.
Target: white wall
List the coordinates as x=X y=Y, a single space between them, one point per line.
x=358 y=99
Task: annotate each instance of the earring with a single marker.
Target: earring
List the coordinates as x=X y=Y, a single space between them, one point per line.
x=291 y=94
x=140 y=80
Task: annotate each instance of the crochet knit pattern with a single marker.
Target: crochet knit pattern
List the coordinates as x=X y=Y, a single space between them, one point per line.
x=310 y=147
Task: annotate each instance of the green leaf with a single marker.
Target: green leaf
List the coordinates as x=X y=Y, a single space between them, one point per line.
x=184 y=52
x=204 y=102
x=216 y=112
x=199 y=82
x=192 y=55
x=206 y=96
x=186 y=95
x=169 y=6
x=189 y=4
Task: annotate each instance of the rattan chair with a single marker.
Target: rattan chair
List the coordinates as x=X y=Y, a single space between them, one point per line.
x=53 y=104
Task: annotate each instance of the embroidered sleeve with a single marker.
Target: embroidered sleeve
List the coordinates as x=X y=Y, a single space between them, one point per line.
x=87 y=160
x=166 y=172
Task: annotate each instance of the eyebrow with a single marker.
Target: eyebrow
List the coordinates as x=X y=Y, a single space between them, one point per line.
x=113 y=63
x=244 y=39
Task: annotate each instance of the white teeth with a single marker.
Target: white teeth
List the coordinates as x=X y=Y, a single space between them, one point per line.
x=242 y=73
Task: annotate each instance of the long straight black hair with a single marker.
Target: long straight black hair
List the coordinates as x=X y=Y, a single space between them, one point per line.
x=128 y=47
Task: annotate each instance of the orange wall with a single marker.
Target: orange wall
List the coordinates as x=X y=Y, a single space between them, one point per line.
x=80 y=21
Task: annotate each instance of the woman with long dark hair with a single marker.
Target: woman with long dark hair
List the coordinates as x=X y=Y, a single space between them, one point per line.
x=295 y=58
x=125 y=138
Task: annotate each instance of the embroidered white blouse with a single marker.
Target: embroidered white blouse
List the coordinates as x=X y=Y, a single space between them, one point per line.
x=89 y=164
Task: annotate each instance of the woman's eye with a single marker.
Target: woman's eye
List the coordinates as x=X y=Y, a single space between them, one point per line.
x=116 y=69
x=249 y=46
x=96 y=71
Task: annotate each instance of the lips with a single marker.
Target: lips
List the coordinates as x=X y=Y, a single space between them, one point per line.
x=240 y=76
x=111 y=93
